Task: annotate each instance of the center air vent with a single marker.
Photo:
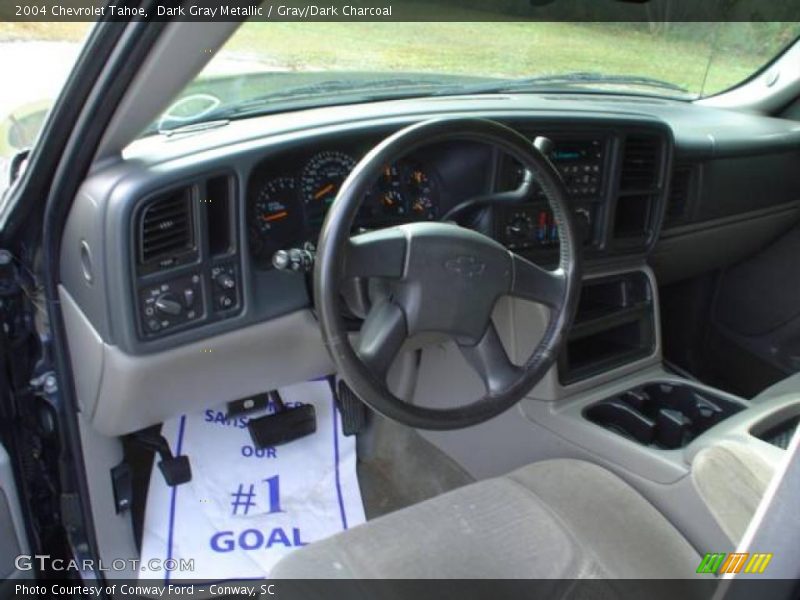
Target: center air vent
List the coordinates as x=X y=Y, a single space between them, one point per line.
x=640 y=163
x=165 y=231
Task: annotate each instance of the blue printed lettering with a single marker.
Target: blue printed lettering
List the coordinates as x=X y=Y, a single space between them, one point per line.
x=252 y=451
x=278 y=536
x=222 y=545
x=218 y=417
x=254 y=539
x=296 y=541
x=255 y=535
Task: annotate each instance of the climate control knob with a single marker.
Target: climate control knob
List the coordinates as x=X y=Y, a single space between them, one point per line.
x=167 y=304
x=225 y=281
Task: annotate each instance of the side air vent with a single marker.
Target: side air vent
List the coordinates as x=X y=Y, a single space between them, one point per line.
x=679 y=195
x=640 y=163
x=165 y=232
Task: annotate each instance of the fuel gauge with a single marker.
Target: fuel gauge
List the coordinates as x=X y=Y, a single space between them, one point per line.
x=422 y=193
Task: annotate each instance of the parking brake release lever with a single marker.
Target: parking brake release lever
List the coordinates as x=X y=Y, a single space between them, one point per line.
x=175 y=469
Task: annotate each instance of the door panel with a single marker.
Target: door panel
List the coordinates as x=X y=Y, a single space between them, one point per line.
x=12 y=530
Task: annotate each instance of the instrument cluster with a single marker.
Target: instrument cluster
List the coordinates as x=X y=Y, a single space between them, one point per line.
x=289 y=209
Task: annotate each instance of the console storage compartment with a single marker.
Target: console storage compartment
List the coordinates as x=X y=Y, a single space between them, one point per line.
x=779 y=427
x=660 y=414
x=614 y=324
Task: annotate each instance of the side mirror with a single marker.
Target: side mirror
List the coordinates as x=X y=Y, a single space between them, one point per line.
x=17 y=165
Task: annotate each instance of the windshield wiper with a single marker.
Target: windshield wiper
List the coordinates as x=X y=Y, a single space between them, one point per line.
x=575 y=78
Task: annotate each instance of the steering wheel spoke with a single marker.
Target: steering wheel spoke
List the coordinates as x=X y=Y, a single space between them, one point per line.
x=380 y=253
x=531 y=282
x=491 y=362
x=382 y=335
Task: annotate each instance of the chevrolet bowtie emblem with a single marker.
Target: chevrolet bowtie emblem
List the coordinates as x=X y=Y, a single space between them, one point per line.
x=468 y=266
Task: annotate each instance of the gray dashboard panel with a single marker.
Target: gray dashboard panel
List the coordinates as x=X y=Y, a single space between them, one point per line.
x=275 y=339
x=103 y=211
x=128 y=392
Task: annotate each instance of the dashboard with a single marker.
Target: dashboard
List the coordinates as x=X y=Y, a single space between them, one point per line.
x=174 y=243
x=167 y=284
x=293 y=205
x=188 y=248
x=289 y=195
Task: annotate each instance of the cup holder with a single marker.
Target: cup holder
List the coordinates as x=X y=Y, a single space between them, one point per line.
x=663 y=415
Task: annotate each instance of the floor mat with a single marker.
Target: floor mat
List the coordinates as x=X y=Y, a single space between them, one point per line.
x=245 y=509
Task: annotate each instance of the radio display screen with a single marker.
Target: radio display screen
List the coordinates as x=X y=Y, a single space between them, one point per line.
x=575 y=151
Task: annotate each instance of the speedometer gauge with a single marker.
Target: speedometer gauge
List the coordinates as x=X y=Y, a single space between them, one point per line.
x=320 y=183
x=275 y=218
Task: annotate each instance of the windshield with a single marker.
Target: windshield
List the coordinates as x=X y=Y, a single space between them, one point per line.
x=35 y=60
x=275 y=66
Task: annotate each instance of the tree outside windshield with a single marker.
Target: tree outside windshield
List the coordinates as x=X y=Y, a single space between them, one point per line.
x=676 y=52
x=696 y=59
x=267 y=57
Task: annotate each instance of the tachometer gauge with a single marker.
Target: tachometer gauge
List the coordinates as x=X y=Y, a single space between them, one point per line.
x=275 y=218
x=320 y=183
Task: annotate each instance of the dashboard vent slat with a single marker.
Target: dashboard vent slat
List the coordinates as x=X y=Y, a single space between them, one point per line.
x=165 y=227
x=640 y=163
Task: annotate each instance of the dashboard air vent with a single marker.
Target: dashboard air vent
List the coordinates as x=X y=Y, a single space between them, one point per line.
x=165 y=229
x=640 y=163
x=679 y=191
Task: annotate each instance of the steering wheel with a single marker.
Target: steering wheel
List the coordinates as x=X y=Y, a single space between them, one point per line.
x=440 y=277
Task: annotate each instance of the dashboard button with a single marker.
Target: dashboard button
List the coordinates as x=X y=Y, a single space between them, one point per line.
x=225 y=301
x=225 y=281
x=188 y=297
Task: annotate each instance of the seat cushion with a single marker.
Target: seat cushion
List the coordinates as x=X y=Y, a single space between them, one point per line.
x=787 y=386
x=731 y=478
x=554 y=519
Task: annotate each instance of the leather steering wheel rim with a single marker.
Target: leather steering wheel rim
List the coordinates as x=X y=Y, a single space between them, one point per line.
x=441 y=277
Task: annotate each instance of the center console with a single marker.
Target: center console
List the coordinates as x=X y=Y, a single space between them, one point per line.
x=584 y=165
x=662 y=414
x=614 y=325
x=612 y=395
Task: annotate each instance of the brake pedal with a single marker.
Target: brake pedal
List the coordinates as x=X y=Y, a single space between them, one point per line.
x=352 y=409
x=283 y=426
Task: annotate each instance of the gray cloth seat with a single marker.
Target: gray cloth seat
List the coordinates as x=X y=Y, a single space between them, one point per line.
x=731 y=478
x=789 y=385
x=554 y=519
